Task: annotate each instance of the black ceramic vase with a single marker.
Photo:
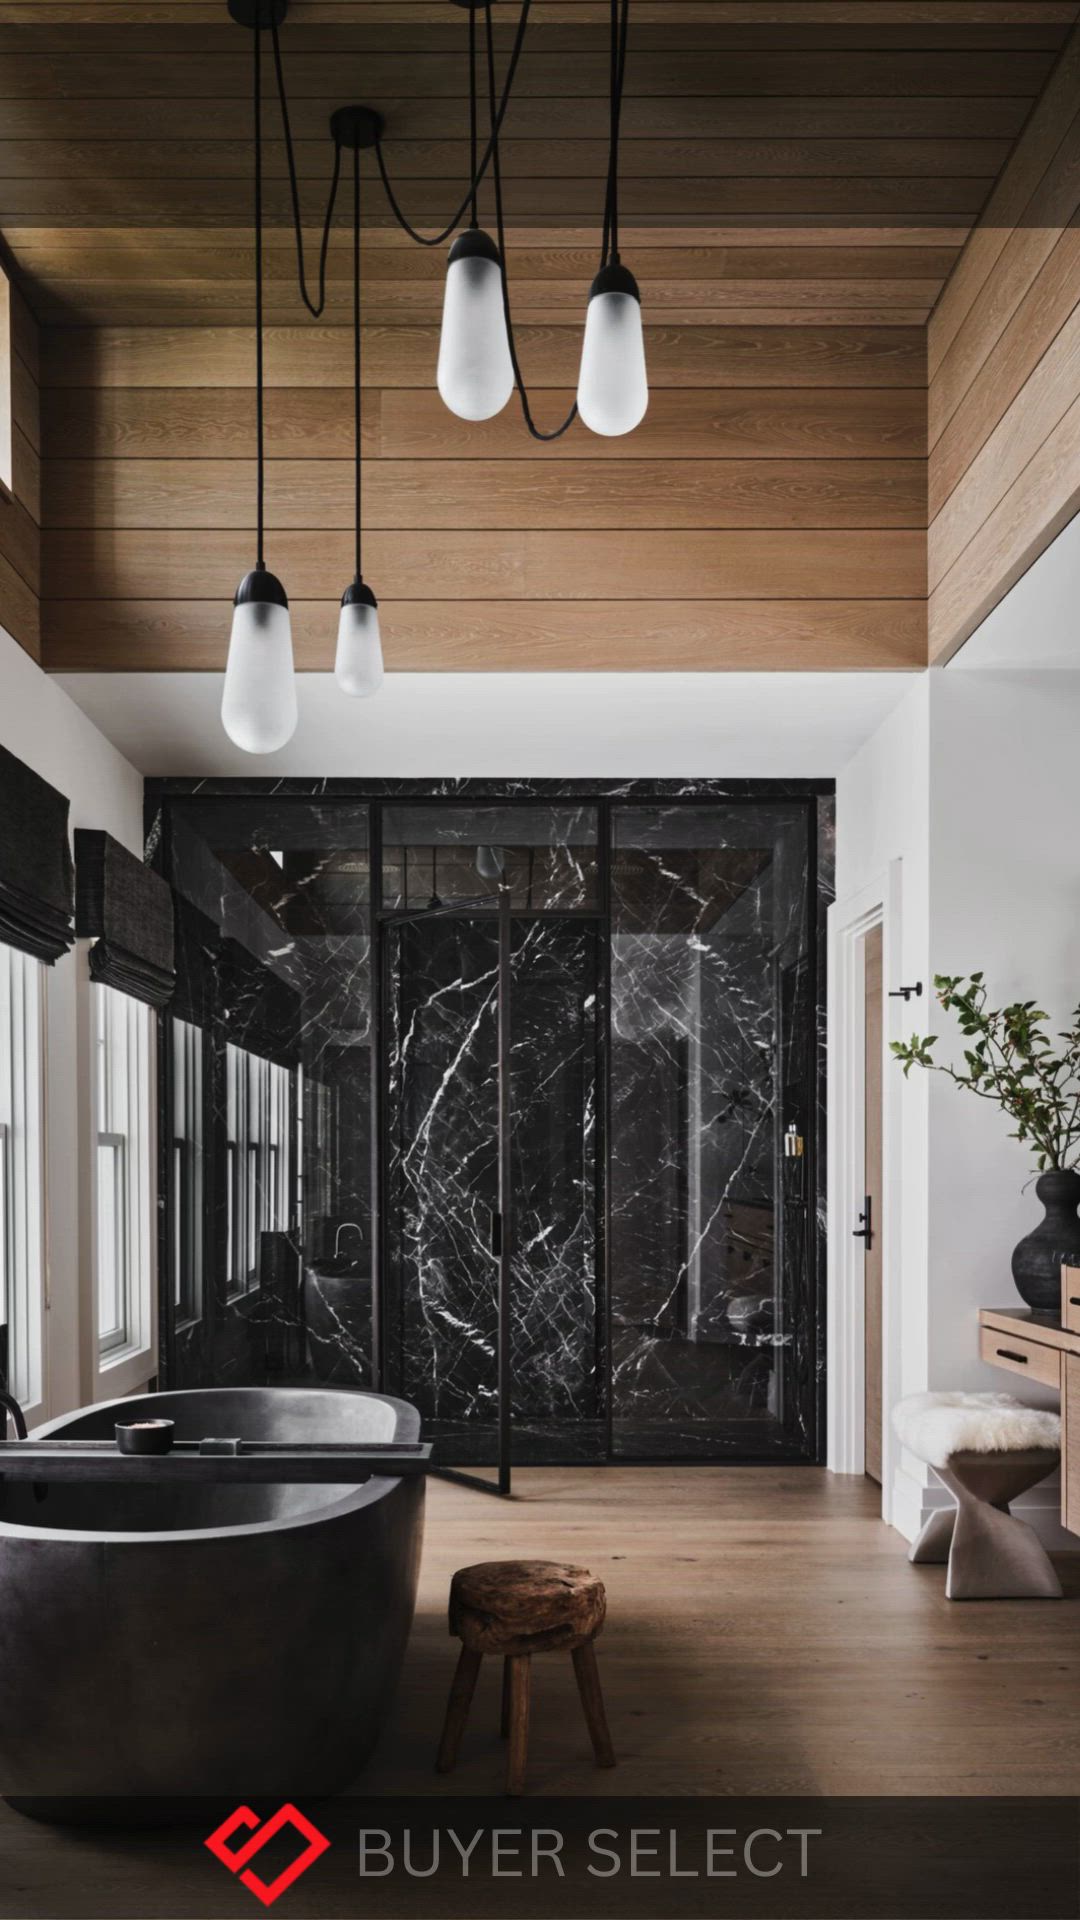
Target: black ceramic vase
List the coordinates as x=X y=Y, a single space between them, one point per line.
x=1038 y=1259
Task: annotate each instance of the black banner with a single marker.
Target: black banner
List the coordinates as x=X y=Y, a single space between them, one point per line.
x=450 y=1858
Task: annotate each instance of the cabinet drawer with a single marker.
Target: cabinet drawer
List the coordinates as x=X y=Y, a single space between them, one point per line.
x=1070 y=1298
x=1017 y=1355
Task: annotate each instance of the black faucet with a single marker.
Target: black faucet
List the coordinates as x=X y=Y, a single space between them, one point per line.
x=18 y=1417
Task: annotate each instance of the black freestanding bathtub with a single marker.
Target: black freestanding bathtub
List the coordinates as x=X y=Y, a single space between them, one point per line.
x=205 y=1640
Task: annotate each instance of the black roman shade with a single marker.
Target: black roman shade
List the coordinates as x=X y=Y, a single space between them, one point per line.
x=36 y=882
x=126 y=909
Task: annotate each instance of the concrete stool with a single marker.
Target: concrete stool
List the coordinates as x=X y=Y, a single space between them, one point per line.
x=516 y=1608
x=987 y=1449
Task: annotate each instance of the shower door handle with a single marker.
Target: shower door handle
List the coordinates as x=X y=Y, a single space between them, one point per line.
x=496 y=1234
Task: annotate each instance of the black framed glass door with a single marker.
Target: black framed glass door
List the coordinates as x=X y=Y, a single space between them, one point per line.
x=712 y=1079
x=448 y=1211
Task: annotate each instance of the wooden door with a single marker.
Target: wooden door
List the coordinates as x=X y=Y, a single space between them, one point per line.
x=872 y=946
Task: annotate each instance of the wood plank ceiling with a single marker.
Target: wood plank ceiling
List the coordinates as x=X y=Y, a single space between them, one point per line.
x=798 y=181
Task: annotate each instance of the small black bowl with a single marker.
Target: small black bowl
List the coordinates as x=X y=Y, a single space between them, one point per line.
x=144 y=1436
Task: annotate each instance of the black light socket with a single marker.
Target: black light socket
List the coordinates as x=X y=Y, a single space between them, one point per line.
x=474 y=244
x=258 y=13
x=359 y=594
x=355 y=127
x=260 y=585
x=615 y=279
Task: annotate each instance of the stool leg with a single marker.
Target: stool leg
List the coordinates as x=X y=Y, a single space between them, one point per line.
x=457 y=1708
x=995 y=1556
x=933 y=1544
x=520 y=1666
x=504 y=1717
x=588 y=1679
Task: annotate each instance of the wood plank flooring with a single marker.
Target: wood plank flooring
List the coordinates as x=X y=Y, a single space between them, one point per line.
x=766 y=1635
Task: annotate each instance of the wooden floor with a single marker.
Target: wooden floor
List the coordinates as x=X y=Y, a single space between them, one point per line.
x=765 y=1635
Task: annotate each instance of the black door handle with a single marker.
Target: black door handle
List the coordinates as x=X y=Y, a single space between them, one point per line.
x=866 y=1231
x=1006 y=1353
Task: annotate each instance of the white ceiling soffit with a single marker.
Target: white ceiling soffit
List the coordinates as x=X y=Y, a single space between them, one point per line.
x=606 y=725
x=1038 y=622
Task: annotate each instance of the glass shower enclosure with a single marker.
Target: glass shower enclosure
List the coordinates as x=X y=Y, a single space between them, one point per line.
x=504 y=1099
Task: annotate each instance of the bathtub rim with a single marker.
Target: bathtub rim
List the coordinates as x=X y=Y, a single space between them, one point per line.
x=353 y=1499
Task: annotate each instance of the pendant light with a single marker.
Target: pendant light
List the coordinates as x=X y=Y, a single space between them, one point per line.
x=475 y=373
x=358 y=664
x=613 y=387
x=258 y=707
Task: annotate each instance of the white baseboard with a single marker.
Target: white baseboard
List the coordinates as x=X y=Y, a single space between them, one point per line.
x=913 y=1503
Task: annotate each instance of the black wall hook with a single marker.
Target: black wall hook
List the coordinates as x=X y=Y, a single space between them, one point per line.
x=906 y=993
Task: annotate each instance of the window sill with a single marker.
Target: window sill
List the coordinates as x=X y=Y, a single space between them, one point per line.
x=124 y=1372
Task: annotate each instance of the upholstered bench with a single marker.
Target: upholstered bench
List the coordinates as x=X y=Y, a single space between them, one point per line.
x=988 y=1449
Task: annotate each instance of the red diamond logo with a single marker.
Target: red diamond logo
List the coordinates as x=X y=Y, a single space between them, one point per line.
x=259 y=1835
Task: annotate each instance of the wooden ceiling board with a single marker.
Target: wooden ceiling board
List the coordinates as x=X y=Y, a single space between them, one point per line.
x=798 y=181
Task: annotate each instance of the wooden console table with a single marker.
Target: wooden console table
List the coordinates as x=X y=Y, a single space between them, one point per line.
x=1045 y=1347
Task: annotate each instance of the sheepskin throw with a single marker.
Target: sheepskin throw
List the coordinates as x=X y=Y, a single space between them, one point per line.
x=936 y=1425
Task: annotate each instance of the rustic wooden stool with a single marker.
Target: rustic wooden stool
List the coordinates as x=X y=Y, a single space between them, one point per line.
x=517 y=1608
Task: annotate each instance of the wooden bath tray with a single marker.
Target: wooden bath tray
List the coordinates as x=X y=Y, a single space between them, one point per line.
x=246 y=1462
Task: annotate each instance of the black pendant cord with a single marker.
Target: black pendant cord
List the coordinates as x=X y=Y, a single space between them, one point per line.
x=537 y=433
x=486 y=160
x=474 y=218
x=356 y=346
x=620 y=23
x=260 y=460
x=315 y=308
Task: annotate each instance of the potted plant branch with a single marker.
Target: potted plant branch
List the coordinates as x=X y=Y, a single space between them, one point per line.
x=1034 y=1077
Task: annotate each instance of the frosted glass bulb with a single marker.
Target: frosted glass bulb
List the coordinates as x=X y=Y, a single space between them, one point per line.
x=358 y=665
x=613 y=388
x=258 y=706
x=475 y=374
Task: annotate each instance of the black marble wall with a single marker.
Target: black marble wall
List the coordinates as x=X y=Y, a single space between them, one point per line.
x=666 y=1009
x=442 y=1180
x=711 y=1063
x=274 y=917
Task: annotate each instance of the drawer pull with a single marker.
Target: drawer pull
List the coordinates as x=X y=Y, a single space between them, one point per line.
x=1074 y=1299
x=1006 y=1353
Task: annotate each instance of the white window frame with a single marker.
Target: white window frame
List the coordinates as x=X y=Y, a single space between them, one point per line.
x=257 y=1156
x=121 y=1100
x=24 y=1261
x=188 y=1172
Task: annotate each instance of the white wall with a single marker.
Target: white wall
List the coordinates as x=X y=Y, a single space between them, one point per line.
x=605 y=725
x=42 y=726
x=971 y=785
x=1004 y=896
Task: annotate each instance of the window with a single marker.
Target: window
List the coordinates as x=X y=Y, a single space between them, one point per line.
x=258 y=1095
x=22 y=1238
x=123 y=1170
x=188 y=1171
